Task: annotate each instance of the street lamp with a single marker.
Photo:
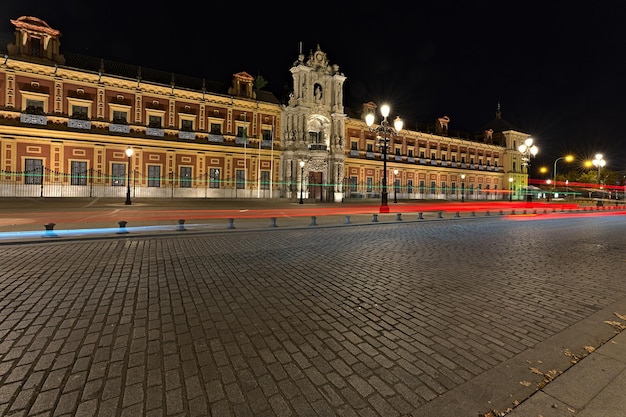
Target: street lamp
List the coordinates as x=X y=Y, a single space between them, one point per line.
x=528 y=150
x=129 y=153
x=510 y=188
x=568 y=158
x=462 y=188
x=301 y=178
x=383 y=133
x=395 y=186
x=598 y=162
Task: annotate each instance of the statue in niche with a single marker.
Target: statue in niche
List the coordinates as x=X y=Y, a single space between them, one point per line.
x=318 y=92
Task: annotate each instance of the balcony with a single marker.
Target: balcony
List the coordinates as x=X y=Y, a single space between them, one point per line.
x=119 y=128
x=354 y=153
x=317 y=147
x=155 y=131
x=187 y=135
x=33 y=119
x=216 y=138
x=79 y=124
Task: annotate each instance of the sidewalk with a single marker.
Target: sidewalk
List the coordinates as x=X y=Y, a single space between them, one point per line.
x=594 y=387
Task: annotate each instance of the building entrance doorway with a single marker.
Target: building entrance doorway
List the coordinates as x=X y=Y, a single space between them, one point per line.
x=316 y=186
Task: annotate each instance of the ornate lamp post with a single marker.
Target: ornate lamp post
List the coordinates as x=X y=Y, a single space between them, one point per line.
x=129 y=153
x=301 y=179
x=510 y=188
x=462 y=188
x=599 y=162
x=395 y=186
x=384 y=131
x=528 y=150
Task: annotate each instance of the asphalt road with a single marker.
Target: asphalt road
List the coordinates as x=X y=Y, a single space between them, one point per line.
x=464 y=317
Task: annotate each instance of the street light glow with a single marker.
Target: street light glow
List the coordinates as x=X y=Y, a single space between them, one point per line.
x=384 y=132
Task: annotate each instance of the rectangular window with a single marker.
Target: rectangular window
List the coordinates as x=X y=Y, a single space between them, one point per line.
x=410 y=153
x=353 y=183
x=396 y=185
x=33 y=171
x=185 y=177
x=453 y=158
x=120 y=117
x=422 y=187
x=370 y=147
x=118 y=175
x=241 y=131
x=214 y=178
x=369 y=182
x=34 y=106
x=154 y=175
x=315 y=137
x=453 y=187
x=422 y=154
x=216 y=129
x=80 y=112
x=78 y=173
x=443 y=187
x=267 y=134
x=241 y=179
x=186 y=125
x=265 y=180
x=409 y=186
x=398 y=151
x=433 y=187
x=154 y=121
x=433 y=155
x=353 y=146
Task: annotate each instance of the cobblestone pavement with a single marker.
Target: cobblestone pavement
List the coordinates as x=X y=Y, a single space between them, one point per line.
x=434 y=318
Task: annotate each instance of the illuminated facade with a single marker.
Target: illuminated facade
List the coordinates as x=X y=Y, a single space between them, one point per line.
x=67 y=120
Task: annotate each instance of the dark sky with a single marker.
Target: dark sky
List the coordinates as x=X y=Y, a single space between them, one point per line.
x=556 y=69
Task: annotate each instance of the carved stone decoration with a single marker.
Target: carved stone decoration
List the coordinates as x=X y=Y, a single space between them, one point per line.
x=318 y=165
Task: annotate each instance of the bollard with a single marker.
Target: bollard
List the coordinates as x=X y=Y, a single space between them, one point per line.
x=231 y=223
x=122 y=229
x=457 y=214
x=420 y=216
x=49 y=230
x=273 y=222
x=398 y=217
x=313 y=221
x=487 y=213
x=440 y=215
x=347 y=221
x=375 y=218
x=501 y=212
x=181 y=225
x=473 y=214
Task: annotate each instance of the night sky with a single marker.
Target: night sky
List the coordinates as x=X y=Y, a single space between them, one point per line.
x=556 y=69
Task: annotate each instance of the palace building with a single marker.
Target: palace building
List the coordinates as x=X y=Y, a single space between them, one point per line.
x=77 y=126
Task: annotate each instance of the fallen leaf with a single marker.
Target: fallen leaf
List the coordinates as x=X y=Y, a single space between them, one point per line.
x=589 y=349
x=621 y=316
x=525 y=383
x=536 y=371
